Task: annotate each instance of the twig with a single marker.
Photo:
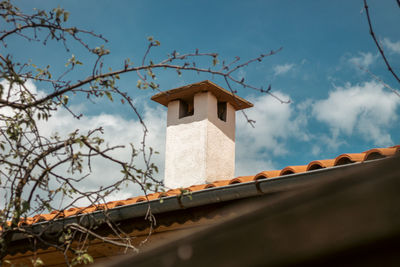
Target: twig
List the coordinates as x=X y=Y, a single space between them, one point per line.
x=371 y=31
x=396 y=92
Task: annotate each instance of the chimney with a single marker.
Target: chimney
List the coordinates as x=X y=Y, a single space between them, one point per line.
x=200 y=145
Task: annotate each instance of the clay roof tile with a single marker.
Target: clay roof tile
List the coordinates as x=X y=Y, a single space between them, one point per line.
x=377 y=153
x=320 y=164
x=221 y=183
x=141 y=199
x=70 y=212
x=174 y=192
x=267 y=174
x=209 y=186
x=349 y=158
x=242 y=179
x=293 y=169
x=114 y=204
x=194 y=188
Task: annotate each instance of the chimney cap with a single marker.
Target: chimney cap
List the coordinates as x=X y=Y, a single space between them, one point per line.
x=187 y=91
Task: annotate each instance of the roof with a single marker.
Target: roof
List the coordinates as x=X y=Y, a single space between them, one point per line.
x=343 y=159
x=348 y=220
x=187 y=91
x=206 y=205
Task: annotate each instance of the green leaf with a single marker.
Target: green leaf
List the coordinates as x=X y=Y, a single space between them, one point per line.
x=87 y=258
x=215 y=61
x=65 y=99
x=38 y=262
x=153 y=85
x=108 y=94
x=58 y=12
x=139 y=84
x=25 y=206
x=66 y=15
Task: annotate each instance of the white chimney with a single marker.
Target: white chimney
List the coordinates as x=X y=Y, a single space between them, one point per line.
x=200 y=145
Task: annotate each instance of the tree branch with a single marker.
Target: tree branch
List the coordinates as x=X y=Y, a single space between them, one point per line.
x=372 y=33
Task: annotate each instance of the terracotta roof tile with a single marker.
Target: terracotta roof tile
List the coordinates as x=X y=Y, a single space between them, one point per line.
x=40 y=218
x=194 y=188
x=71 y=212
x=320 y=164
x=173 y=192
x=113 y=204
x=101 y=207
x=342 y=159
x=377 y=153
x=133 y=200
x=349 y=158
x=26 y=221
x=141 y=199
x=209 y=186
x=267 y=174
x=241 y=179
x=89 y=209
x=221 y=183
x=293 y=169
x=148 y=198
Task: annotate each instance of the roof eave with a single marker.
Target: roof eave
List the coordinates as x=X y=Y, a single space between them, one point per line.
x=206 y=197
x=222 y=94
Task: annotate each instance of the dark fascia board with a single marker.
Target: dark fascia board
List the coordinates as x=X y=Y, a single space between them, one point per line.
x=204 y=197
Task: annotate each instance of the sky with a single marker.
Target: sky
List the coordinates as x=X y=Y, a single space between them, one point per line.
x=335 y=107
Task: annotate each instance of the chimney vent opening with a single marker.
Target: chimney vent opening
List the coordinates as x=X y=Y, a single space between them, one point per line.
x=222 y=111
x=185 y=108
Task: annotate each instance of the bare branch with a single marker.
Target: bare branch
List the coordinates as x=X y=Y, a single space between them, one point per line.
x=371 y=31
x=396 y=92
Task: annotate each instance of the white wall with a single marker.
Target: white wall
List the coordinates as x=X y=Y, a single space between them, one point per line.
x=199 y=148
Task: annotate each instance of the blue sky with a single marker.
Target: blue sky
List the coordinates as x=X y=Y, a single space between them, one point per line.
x=336 y=107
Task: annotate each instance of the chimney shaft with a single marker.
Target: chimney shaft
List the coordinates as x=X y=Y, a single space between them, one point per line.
x=200 y=140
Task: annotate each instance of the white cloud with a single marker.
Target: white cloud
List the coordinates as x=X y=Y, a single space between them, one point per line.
x=394 y=47
x=275 y=123
x=366 y=110
x=332 y=141
x=363 y=59
x=14 y=93
x=117 y=131
x=315 y=150
x=282 y=69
